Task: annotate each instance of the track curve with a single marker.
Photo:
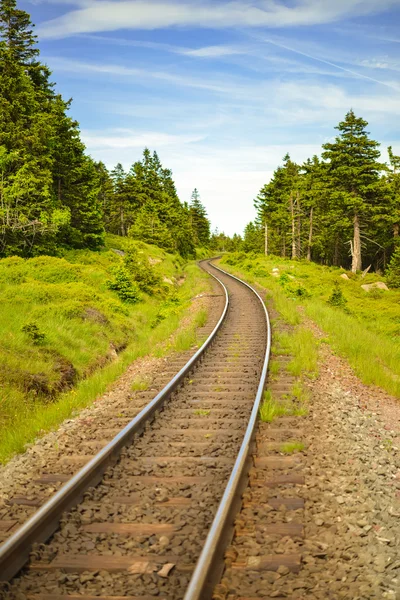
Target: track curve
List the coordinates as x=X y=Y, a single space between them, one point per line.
x=140 y=532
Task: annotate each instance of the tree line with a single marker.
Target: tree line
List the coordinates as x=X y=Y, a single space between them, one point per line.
x=52 y=194
x=341 y=209
x=143 y=203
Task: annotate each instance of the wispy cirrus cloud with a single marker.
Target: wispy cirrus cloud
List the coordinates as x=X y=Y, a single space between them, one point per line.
x=122 y=139
x=122 y=71
x=140 y=14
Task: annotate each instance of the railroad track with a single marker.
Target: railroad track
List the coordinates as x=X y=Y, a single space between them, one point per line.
x=151 y=514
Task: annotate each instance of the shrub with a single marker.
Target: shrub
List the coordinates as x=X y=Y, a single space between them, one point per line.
x=299 y=291
x=141 y=271
x=33 y=332
x=283 y=279
x=127 y=290
x=336 y=298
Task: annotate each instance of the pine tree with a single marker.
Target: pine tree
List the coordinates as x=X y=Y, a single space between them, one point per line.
x=119 y=204
x=253 y=240
x=16 y=30
x=106 y=191
x=199 y=220
x=49 y=187
x=354 y=174
x=27 y=203
x=394 y=191
x=278 y=207
x=76 y=181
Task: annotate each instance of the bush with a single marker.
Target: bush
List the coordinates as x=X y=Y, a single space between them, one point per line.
x=127 y=290
x=283 y=279
x=299 y=291
x=33 y=332
x=336 y=298
x=141 y=271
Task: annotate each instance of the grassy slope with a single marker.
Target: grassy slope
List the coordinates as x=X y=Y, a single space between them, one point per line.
x=85 y=325
x=366 y=331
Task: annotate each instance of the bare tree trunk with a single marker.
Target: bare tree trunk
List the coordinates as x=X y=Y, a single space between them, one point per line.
x=284 y=246
x=266 y=240
x=59 y=189
x=356 y=264
x=396 y=228
x=294 y=254
x=298 y=226
x=310 y=234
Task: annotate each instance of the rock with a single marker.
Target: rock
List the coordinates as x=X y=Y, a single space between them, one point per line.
x=283 y=570
x=378 y=285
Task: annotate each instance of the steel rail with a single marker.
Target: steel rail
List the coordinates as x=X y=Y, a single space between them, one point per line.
x=210 y=565
x=14 y=552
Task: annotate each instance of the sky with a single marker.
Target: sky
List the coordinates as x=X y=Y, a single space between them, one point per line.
x=222 y=89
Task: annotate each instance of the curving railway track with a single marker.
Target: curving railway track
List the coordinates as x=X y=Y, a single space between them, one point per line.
x=151 y=514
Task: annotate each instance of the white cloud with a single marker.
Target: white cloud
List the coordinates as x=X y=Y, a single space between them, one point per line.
x=214 y=51
x=141 y=14
x=123 y=139
x=75 y=66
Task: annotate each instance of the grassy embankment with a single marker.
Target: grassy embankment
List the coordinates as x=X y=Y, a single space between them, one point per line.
x=65 y=336
x=361 y=326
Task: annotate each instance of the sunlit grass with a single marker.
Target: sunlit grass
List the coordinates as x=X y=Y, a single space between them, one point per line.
x=366 y=334
x=83 y=341
x=291 y=447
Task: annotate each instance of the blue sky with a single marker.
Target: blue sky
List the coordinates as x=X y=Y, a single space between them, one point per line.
x=222 y=89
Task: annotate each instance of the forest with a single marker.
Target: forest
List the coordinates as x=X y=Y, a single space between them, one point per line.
x=340 y=209
x=54 y=196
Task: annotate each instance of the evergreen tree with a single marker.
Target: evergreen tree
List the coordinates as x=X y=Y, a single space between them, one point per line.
x=119 y=205
x=393 y=205
x=199 y=220
x=16 y=30
x=354 y=176
x=49 y=187
x=278 y=207
x=27 y=214
x=253 y=240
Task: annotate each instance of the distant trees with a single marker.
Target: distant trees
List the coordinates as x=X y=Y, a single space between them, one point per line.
x=144 y=204
x=343 y=209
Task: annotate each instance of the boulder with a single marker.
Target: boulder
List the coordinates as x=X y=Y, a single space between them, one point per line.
x=378 y=285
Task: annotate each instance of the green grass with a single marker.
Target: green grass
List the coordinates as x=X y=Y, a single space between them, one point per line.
x=294 y=405
x=365 y=331
x=90 y=336
x=140 y=384
x=302 y=345
x=274 y=367
x=292 y=447
x=202 y=412
x=270 y=409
